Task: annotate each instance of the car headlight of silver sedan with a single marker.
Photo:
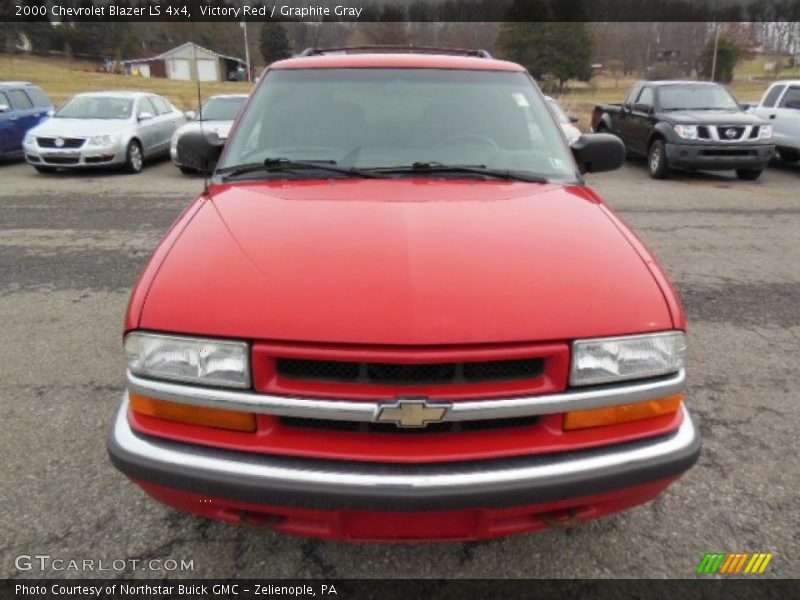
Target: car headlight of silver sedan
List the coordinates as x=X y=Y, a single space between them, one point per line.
x=30 y=140
x=765 y=132
x=606 y=360
x=102 y=140
x=193 y=360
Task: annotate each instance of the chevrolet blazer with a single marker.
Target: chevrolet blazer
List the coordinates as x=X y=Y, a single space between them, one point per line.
x=397 y=312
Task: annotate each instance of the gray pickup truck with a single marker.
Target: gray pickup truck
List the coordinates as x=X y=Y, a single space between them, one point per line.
x=688 y=125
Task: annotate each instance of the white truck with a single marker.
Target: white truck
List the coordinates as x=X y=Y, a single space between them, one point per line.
x=780 y=107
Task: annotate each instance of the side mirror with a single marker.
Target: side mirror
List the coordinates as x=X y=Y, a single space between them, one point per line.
x=596 y=152
x=200 y=150
x=190 y=115
x=4 y=108
x=145 y=116
x=573 y=119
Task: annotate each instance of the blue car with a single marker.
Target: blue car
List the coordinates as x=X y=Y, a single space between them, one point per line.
x=22 y=107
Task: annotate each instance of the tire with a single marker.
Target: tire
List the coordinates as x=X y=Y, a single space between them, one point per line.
x=42 y=169
x=657 y=163
x=134 y=158
x=749 y=174
x=187 y=171
x=789 y=156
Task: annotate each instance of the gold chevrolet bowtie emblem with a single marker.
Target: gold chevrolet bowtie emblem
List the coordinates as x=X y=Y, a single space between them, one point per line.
x=412 y=412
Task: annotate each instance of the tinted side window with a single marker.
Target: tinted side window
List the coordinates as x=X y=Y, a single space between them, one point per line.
x=39 y=97
x=162 y=105
x=772 y=96
x=20 y=100
x=146 y=106
x=645 y=97
x=792 y=98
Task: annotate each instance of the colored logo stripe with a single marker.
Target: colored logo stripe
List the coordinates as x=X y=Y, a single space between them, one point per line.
x=711 y=562
x=737 y=562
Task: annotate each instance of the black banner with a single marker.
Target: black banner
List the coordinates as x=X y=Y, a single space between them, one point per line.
x=382 y=589
x=402 y=10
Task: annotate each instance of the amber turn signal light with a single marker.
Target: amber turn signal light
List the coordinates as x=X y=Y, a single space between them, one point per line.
x=624 y=413
x=194 y=415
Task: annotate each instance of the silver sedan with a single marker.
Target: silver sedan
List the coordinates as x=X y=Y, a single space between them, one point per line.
x=104 y=129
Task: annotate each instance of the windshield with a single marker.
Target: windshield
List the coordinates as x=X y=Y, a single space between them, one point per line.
x=559 y=113
x=696 y=97
x=94 y=107
x=221 y=109
x=382 y=118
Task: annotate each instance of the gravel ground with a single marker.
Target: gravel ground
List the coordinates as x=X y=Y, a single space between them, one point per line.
x=71 y=246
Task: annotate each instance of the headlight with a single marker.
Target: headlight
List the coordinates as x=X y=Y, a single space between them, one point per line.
x=687 y=132
x=194 y=360
x=765 y=132
x=603 y=360
x=30 y=140
x=101 y=140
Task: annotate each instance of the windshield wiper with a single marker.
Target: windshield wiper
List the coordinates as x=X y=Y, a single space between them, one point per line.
x=277 y=165
x=435 y=167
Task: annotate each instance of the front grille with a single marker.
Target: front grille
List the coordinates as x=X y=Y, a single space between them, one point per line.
x=454 y=427
x=410 y=374
x=754 y=132
x=50 y=142
x=729 y=133
x=703 y=133
x=62 y=160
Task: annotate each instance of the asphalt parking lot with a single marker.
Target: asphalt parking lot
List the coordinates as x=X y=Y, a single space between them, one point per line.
x=71 y=247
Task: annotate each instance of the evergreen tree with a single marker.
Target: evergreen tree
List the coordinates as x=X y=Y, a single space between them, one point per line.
x=728 y=53
x=274 y=42
x=538 y=36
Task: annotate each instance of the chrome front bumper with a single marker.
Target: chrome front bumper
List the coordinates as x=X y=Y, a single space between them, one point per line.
x=327 y=484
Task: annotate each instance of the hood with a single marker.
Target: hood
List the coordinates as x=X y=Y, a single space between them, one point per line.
x=79 y=127
x=222 y=128
x=403 y=262
x=712 y=117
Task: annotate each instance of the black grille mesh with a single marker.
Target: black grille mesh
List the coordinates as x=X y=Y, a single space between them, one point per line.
x=455 y=427
x=410 y=374
x=47 y=142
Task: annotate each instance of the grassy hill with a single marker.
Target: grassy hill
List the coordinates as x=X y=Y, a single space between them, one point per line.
x=61 y=79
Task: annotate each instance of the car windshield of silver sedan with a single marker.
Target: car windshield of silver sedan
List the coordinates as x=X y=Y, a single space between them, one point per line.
x=220 y=109
x=459 y=123
x=696 y=97
x=96 y=107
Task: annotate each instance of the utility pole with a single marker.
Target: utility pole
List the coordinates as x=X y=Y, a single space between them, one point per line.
x=716 y=45
x=246 y=51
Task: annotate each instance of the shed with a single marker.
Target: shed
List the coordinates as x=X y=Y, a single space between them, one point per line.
x=188 y=62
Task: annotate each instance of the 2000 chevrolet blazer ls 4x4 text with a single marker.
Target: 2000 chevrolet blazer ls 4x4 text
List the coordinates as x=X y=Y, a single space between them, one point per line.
x=398 y=313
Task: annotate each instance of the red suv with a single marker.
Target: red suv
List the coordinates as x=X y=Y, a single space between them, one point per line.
x=398 y=313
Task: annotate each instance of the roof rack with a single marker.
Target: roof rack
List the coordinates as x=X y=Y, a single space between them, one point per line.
x=395 y=50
